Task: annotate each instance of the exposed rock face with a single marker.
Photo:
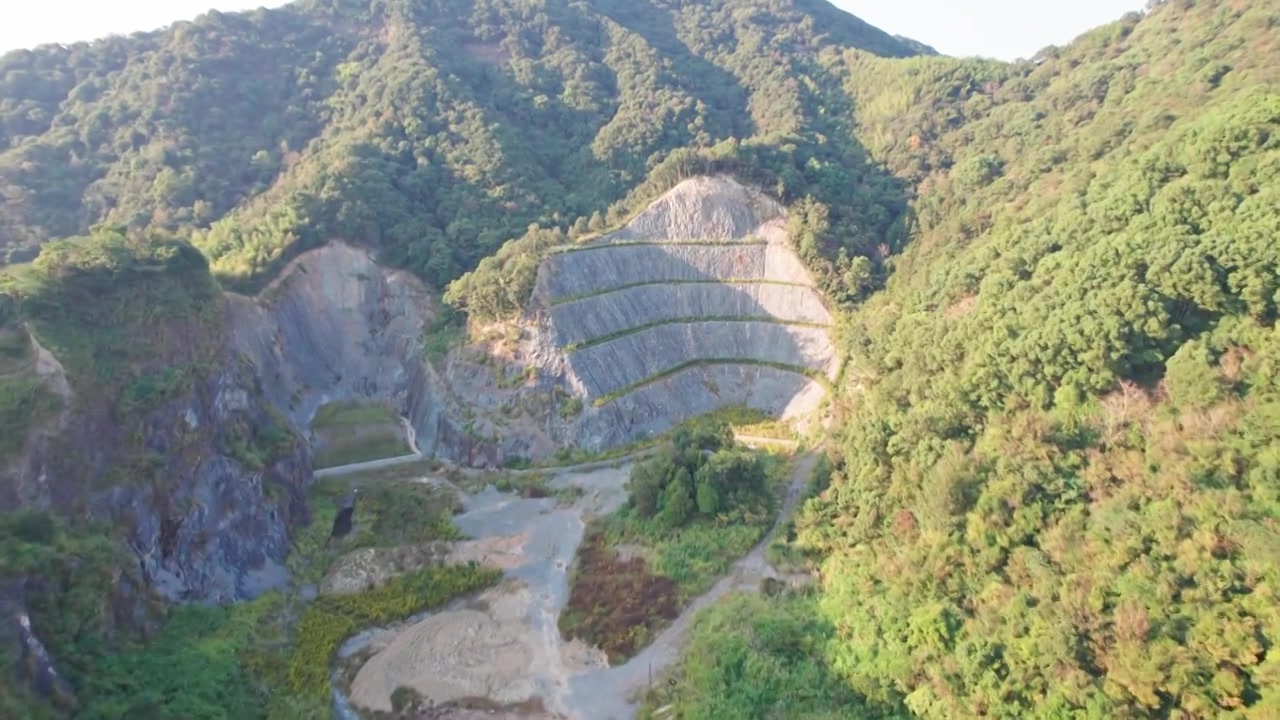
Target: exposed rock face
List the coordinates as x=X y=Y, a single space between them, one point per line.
x=655 y=408
x=579 y=321
x=35 y=667
x=601 y=267
x=204 y=523
x=700 y=302
x=337 y=326
x=618 y=365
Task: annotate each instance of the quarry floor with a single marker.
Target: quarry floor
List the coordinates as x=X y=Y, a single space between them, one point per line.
x=504 y=648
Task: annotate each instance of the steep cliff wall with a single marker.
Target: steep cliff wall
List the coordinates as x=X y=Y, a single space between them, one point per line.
x=337 y=326
x=203 y=486
x=141 y=460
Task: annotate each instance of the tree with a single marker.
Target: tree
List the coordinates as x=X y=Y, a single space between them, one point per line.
x=678 y=505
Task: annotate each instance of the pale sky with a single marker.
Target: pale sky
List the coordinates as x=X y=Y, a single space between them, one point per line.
x=1005 y=29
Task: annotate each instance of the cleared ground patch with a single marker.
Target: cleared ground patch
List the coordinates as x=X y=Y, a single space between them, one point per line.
x=354 y=432
x=616 y=603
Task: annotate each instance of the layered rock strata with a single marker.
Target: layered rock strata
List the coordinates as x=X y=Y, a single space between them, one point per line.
x=699 y=303
x=580 y=321
x=622 y=363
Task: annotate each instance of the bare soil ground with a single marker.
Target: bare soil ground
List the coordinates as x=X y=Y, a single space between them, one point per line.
x=504 y=647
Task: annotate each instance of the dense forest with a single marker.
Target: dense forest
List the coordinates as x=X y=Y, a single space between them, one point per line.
x=1055 y=482
x=432 y=130
x=1058 y=492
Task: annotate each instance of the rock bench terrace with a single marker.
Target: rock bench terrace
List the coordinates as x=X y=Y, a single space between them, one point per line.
x=698 y=303
x=582 y=321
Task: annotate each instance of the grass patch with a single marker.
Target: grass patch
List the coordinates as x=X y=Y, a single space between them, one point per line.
x=574 y=347
x=388 y=513
x=353 y=413
x=750 y=421
x=815 y=375
x=620 y=288
x=356 y=431
x=616 y=604
x=364 y=448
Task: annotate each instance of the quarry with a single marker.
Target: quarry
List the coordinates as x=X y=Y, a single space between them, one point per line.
x=698 y=303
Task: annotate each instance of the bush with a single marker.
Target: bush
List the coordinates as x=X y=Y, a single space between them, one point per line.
x=701 y=475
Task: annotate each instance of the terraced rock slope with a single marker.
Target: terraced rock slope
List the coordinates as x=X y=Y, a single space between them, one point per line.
x=698 y=303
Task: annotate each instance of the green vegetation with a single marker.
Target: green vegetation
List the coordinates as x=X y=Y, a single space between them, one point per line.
x=694 y=509
x=446 y=330
x=120 y=311
x=435 y=131
x=754 y=657
x=24 y=401
x=331 y=619
x=1054 y=481
x=352 y=414
x=357 y=431
x=268 y=658
x=1056 y=493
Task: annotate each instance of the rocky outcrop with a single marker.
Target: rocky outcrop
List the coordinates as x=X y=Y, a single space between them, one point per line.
x=205 y=485
x=605 y=267
x=629 y=360
x=652 y=409
x=337 y=326
x=579 y=321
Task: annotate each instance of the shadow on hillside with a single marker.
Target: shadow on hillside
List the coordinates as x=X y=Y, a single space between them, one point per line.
x=684 y=343
x=719 y=88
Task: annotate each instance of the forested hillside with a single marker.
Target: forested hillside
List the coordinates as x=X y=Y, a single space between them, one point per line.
x=1059 y=487
x=1055 y=481
x=433 y=130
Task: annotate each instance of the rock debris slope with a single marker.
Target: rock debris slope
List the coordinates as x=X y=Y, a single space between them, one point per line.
x=700 y=302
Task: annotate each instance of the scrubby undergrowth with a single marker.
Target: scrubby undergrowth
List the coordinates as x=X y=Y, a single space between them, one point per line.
x=695 y=508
